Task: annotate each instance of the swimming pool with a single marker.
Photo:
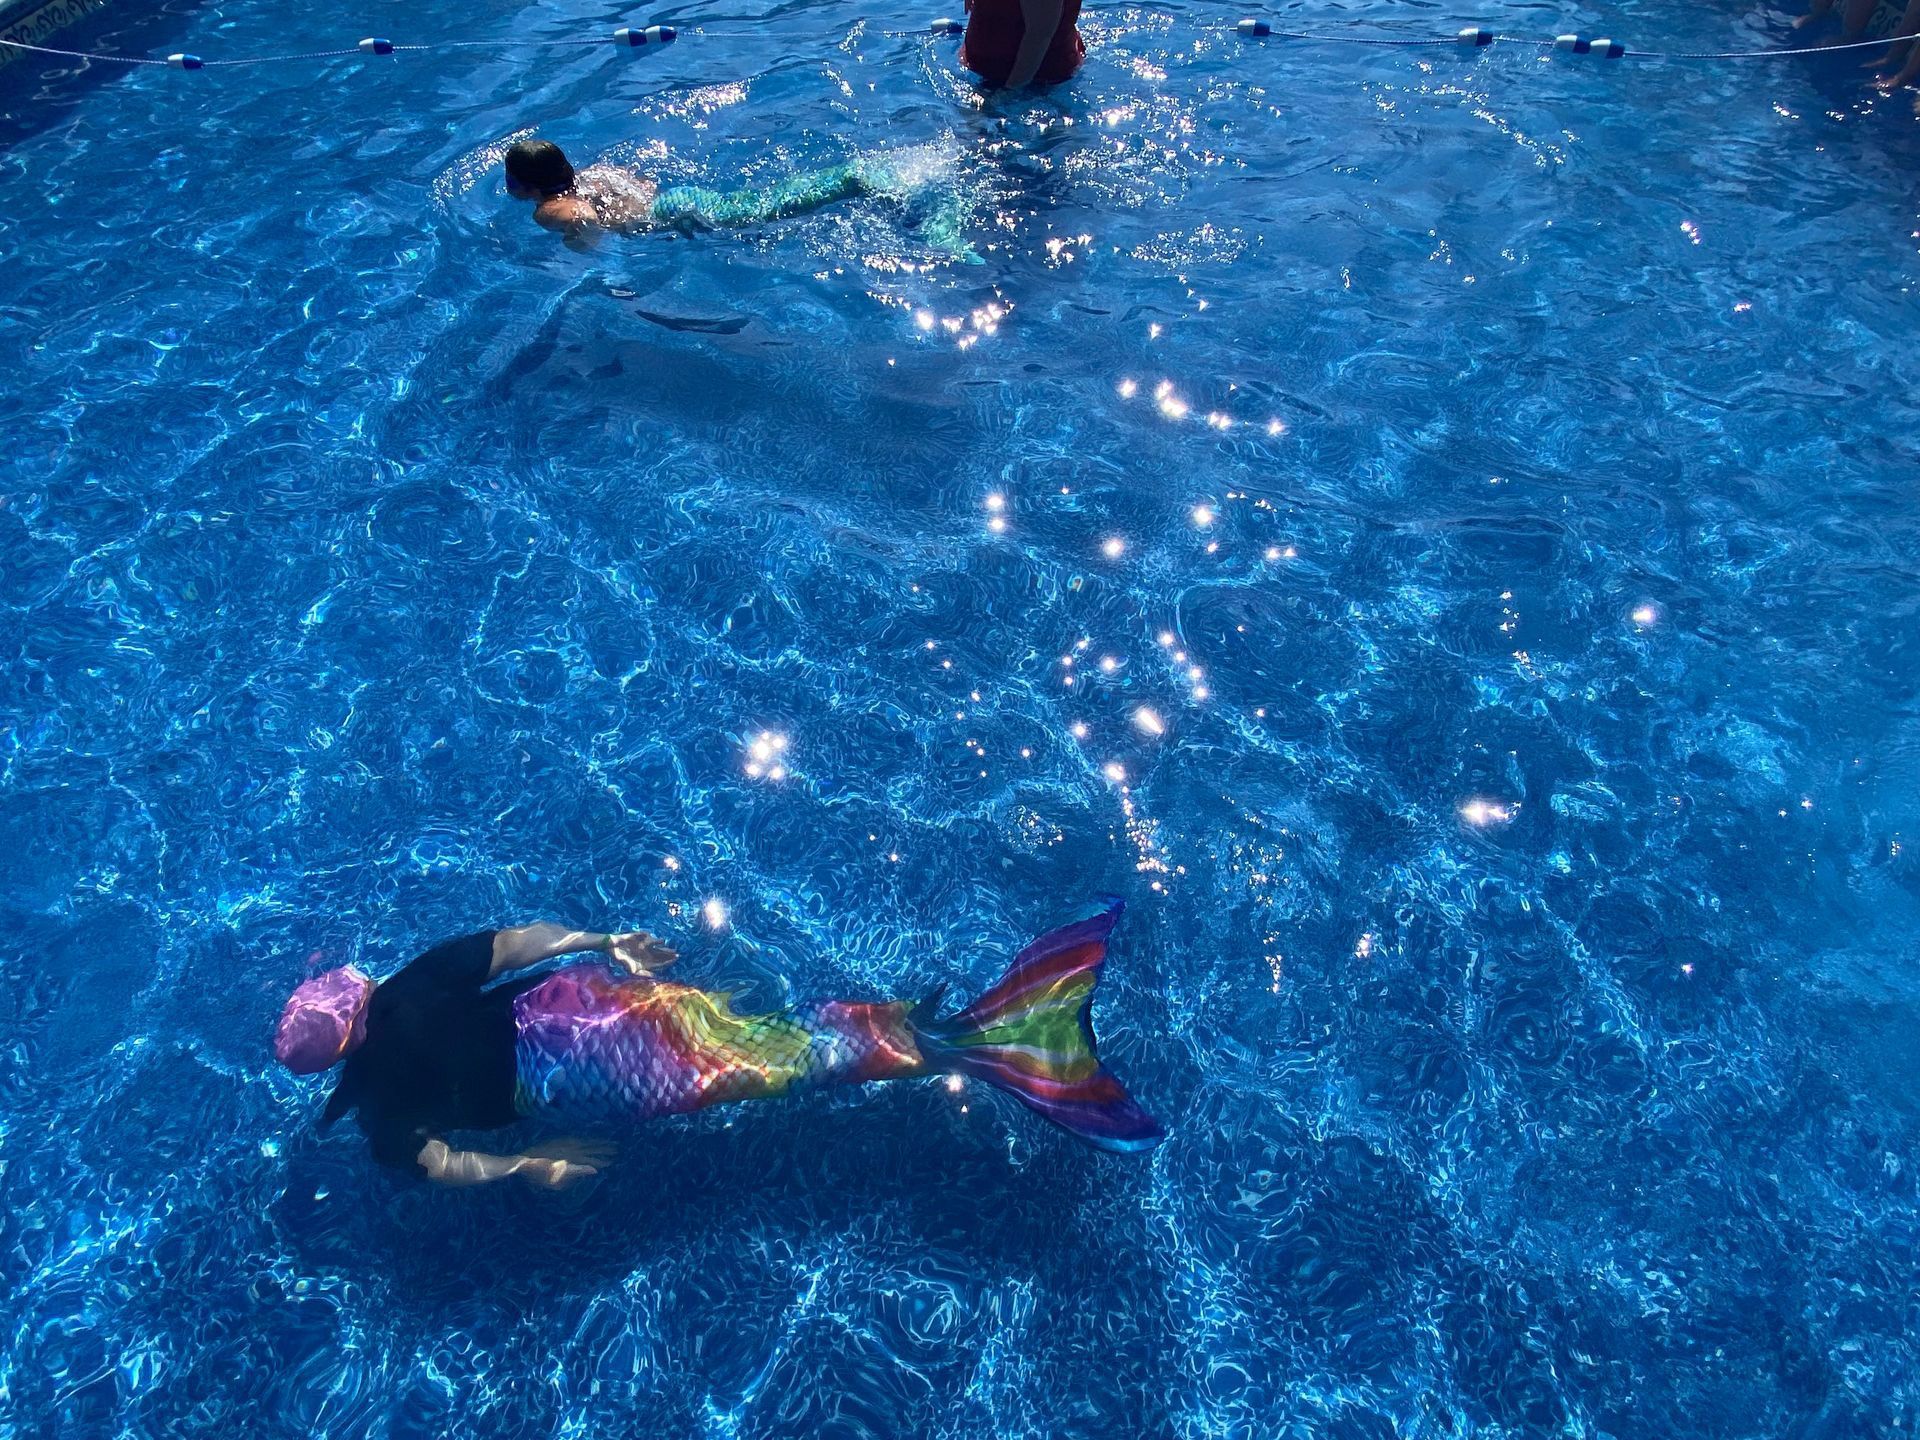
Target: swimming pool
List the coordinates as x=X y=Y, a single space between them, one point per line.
x=1508 y=747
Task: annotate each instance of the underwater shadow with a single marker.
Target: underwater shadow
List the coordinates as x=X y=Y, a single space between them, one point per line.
x=760 y=1174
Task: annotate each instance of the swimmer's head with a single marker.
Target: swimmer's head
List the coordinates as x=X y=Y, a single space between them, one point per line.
x=536 y=170
x=324 y=1021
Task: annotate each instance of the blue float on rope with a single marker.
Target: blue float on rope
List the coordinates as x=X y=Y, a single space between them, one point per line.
x=1474 y=35
x=1253 y=29
x=186 y=62
x=372 y=45
x=652 y=35
x=947 y=26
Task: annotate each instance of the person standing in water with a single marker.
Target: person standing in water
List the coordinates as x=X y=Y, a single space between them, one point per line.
x=437 y=1049
x=1017 y=43
x=601 y=197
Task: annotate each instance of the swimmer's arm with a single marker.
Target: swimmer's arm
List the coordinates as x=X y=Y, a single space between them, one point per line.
x=1042 y=19
x=634 y=951
x=459 y=1168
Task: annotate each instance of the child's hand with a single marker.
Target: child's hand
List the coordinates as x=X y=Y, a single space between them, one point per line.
x=555 y=1174
x=561 y=1163
x=639 y=953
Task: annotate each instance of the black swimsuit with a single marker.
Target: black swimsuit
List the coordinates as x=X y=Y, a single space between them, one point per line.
x=438 y=1054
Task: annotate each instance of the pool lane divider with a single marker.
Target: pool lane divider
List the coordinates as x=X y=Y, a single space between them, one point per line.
x=654 y=37
x=627 y=37
x=1475 y=37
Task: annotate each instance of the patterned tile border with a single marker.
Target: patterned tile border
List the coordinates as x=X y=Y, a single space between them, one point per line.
x=35 y=24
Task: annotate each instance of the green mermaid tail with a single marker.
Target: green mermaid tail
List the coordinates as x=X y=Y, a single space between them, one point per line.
x=696 y=207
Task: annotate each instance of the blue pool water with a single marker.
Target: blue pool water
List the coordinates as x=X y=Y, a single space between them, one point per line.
x=1521 y=890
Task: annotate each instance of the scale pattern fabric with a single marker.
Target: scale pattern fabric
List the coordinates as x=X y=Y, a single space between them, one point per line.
x=593 y=1046
x=598 y=1046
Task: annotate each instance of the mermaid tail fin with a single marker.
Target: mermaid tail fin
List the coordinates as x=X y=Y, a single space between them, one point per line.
x=1032 y=1036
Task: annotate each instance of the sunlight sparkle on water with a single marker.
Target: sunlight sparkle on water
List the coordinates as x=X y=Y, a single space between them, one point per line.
x=714 y=913
x=1149 y=721
x=763 y=756
x=1113 y=547
x=1483 y=813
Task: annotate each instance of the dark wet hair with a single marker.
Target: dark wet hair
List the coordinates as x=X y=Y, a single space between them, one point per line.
x=539 y=165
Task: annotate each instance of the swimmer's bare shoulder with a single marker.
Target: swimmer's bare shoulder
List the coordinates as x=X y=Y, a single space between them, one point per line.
x=566 y=213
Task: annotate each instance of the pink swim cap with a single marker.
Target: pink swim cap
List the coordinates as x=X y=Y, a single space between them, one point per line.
x=323 y=1021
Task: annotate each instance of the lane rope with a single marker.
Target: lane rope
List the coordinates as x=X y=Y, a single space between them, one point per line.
x=627 y=37
x=655 y=37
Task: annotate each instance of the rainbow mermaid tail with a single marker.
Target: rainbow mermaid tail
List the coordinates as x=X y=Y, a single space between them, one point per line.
x=593 y=1046
x=1032 y=1036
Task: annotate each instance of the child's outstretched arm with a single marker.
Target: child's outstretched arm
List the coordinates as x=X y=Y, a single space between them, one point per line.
x=551 y=1167
x=634 y=951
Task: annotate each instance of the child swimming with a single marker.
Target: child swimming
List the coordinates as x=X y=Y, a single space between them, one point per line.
x=433 y=1049
x=606 y=197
